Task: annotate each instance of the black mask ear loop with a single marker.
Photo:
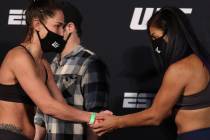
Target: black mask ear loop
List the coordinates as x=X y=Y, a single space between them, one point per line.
x=38 y=31
x=44 y=26
x=162 y=35
x=41 y=12
x=68 y=35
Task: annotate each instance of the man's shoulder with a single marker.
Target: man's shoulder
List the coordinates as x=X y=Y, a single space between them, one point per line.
x=86 y=53
x=87 y=56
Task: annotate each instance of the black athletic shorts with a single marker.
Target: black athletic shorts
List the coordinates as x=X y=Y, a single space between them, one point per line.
x=9 y=135
x=201 y=134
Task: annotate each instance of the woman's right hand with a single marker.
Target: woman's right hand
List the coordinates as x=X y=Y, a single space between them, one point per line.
x=105 y=123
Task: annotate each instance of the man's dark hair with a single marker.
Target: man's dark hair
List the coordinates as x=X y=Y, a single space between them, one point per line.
x=72 y=14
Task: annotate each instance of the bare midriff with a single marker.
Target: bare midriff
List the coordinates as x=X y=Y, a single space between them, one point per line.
x=18 y=115
x=190 y=120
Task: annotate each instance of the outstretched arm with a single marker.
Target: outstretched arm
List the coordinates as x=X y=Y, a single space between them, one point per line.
x=51 y=84
x=173 y=85
x=27 y=75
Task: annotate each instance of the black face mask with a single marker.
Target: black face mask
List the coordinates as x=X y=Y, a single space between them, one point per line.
x=159 y=47
x=52 y=42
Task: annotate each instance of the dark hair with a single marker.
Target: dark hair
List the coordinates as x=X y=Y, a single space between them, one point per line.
x=40 y=9
x=72 y=14
x=182 y=40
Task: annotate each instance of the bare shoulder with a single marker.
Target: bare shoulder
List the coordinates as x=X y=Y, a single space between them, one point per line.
x=180 y=71
x=18 y=53
x=18 y=56
x=16 y=60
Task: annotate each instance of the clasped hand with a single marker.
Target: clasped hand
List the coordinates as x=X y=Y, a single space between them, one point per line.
x=105 y=122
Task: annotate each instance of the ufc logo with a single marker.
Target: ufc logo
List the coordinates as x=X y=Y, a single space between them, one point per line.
x=142 y=15
x=55 y=44
x=16 y=17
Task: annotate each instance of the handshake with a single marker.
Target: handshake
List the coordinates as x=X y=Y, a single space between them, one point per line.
x=103 y=122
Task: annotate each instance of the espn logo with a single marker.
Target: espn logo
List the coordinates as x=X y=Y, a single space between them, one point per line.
x=16 y=17
x=137 y=100
x=142 y=15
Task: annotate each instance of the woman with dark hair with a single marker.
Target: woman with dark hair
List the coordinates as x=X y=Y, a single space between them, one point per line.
x=185 y=87
x=26 y=79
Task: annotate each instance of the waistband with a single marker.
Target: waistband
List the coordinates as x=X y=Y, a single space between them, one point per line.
x=11 y=127
x=9 y=135
x=200 y=134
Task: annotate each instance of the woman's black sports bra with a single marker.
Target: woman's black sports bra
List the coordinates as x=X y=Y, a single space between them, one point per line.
x=195 y=101
x=15 y=93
